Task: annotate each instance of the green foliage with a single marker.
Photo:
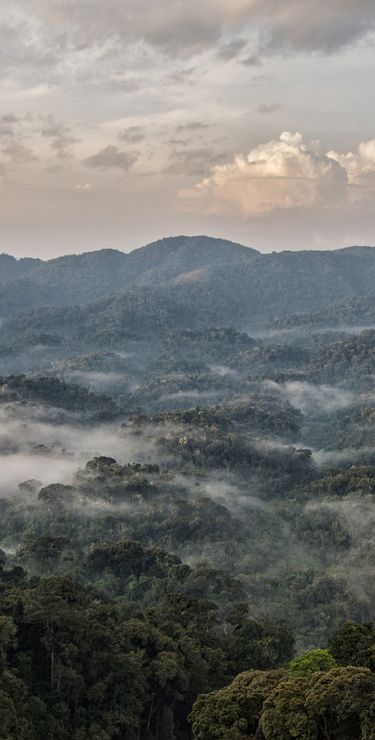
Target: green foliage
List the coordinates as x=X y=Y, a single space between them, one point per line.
x=52 y=391
x=310 y=662
x=339 y=703
x=359 y=480
x=354 y=644
x=94 y=668
x=255 y=412
x=353 y=357
x=233 y=713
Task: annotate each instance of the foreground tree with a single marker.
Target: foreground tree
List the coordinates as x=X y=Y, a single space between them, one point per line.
x=233 y=713
x=336 y=705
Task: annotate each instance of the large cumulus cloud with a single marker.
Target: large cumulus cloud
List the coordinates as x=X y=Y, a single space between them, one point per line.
x=283 y=173
x=360 y=168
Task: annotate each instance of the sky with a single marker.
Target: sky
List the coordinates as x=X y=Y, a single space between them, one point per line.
x=124 y=121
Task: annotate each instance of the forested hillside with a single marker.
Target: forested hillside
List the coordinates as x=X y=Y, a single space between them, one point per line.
x=187 y=495
x=210 y=280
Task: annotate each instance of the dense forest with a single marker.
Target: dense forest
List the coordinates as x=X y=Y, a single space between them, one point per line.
x=187 y=494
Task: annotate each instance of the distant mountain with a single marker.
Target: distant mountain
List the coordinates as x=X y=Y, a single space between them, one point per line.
x=65 y=281
x=11 y=268
x=182 y=283
x=88 y=277
x=175 y=257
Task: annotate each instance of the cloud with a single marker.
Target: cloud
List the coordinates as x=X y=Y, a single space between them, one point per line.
x=360 y=168
x=192 y=126
x=281 y=174
x=132 y=135
x=191 y=161
x=266 y=108
x=12 y=150
x=181 y=77
x=49 y=30
x=61 y=138
x=312 y=26
x=85 y=187
x=118 y=82
x=16 y=153
x=251 y=61
x=9 y=118
x=128 y=77
x=112 y=158
x=7 y=124
x=231 y=49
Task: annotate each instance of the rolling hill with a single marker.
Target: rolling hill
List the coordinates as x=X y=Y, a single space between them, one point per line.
x=179 y=283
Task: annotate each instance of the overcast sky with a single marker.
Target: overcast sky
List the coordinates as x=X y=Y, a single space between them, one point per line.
x=123 y=121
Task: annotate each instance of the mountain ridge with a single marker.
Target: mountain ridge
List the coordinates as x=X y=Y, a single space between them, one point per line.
x=179 y=282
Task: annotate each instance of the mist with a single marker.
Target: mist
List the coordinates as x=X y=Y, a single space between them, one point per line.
x=311 y=398
x=32 y=446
